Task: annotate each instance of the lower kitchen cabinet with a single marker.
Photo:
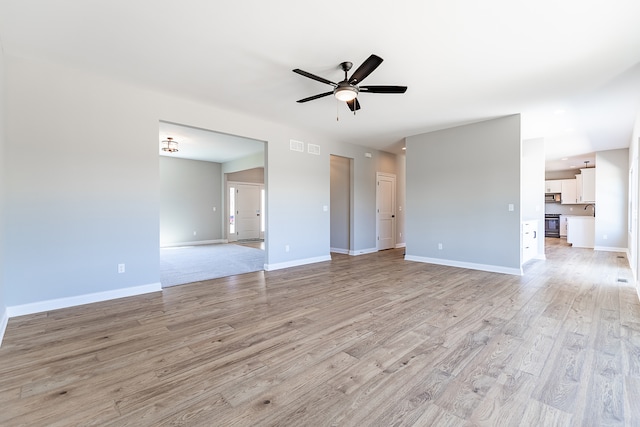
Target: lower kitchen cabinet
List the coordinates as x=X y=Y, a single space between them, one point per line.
x=581 y=231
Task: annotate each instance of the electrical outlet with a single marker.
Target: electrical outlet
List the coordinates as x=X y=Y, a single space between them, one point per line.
x=120 y=268
x=605 y=237
x=286 y=248
x=440 y=246
x=194 y=233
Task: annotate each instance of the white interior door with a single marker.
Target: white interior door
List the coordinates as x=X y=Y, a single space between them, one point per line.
x=248 y=212
x=386 y=210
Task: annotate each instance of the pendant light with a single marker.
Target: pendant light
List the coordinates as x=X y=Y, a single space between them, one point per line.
x=170 y=145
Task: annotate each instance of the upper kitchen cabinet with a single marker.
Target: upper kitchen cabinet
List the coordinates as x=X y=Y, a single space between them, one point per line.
x=568 y=194
x=553 y=186
x=586 y=186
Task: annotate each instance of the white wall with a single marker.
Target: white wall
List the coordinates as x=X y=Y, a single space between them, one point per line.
x=612 y=194
x=189 y=190
x=634 y=200
x=532 y=184
x=401 y=199
x=460 y=182
x=83 y=183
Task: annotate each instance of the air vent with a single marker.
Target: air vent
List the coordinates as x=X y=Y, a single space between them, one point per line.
x=313 y=149
x=296 y=145
x=623 y=280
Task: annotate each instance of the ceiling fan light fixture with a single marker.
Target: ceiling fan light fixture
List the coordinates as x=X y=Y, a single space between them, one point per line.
x=345 y=93
x=169 y=145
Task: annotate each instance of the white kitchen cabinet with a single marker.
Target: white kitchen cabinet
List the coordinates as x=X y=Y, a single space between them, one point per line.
x=553 y=186
x=563 y=226
x=588 y=179
x=529 y=240
x=568 y=196
x=581 y=231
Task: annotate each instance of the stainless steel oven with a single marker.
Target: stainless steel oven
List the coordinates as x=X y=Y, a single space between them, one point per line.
x=552 y=225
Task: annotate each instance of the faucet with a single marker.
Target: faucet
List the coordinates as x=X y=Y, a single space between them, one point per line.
x=594 y=208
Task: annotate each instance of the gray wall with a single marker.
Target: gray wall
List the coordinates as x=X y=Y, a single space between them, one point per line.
x=82 y=185
x=249 y=162
x=460 y=182
x=83 y=182
x=3 y=168
x=340 y=202
x=254 y=176
x=612 y=194
x=189 y=190
x=532 y=185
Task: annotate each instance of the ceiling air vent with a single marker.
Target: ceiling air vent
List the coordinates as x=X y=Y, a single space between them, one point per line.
x=296 y=145
x=313 y=149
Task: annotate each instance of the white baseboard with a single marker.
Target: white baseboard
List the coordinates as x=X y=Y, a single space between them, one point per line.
x=339 y=251
x=296 y=263
x=55 y=304
x=469 y=265
x=540 y=256
x=4 y=320
x=401 y=245
x=194 y=243
x=363 y=251
x=609 y=249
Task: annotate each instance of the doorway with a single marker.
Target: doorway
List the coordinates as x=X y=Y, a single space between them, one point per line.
x=193 y=204
x=341 y=183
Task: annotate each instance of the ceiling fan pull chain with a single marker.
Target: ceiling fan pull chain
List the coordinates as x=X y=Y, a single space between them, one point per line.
x=337 y=110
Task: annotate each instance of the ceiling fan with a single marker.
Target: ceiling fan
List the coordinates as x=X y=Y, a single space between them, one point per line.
x=347 y=90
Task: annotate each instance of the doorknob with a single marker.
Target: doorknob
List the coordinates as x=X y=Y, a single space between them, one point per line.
x=393 y=216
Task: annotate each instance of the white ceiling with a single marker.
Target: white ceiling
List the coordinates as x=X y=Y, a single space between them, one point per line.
x=205 y=145
x=463 y=60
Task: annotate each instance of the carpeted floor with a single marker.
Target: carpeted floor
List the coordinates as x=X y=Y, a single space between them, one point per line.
x=195 y=263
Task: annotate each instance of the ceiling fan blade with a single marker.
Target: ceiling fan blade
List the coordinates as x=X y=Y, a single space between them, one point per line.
x=383 y=89
x=353 y=105
x=314 y=77
x=365 y=69
x=311 y=98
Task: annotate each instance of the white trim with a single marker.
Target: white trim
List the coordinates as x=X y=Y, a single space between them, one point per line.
x=3 y=324
x=401 y=245
x=469 y=265
x=55 y=304
x=339 y=251
x=363 y=251
x=296 y=263
x=194 y=243
x=611 y=249
x=540 y=256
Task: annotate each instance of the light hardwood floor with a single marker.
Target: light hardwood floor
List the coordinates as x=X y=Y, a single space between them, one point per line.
x=371 y=340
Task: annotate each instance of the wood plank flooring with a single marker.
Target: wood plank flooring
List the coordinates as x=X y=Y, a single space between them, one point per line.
x=371 y=340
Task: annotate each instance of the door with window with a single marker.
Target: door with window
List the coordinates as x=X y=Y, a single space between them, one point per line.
x=246 y=207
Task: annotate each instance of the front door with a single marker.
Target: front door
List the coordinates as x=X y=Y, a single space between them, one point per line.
x=386 y=210
x=248 y=213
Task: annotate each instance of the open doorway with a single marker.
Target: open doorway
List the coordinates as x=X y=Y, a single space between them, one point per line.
x=341 y=204
x=195 y=243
